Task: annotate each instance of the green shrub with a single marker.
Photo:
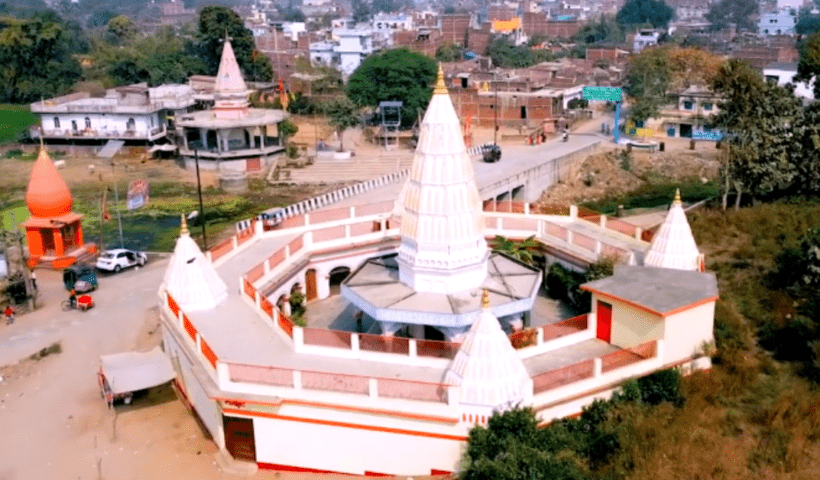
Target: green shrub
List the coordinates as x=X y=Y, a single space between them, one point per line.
x=661 y=386
x=14 y=153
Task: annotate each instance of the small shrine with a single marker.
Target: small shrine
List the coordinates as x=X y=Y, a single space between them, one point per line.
x=54 y=233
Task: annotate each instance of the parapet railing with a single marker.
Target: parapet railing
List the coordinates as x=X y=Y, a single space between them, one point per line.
x=595 y=367
x=328 y=230
x=226 y=373
x=275 y=218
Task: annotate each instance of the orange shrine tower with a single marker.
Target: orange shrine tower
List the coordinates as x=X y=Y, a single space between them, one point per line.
x=54 y=233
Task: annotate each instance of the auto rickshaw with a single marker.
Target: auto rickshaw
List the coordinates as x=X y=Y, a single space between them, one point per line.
x=81 y=278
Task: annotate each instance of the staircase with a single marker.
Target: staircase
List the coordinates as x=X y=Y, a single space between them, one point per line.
x=354 y=169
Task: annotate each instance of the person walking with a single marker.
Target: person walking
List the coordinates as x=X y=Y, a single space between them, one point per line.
x=9 y=312
x=33 y=277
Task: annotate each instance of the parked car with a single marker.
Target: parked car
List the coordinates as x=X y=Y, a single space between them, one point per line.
x=120 y=258
x=492 y=153
x=79 y=277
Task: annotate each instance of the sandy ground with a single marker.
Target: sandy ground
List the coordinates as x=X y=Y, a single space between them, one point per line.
x=53 y=423
x=51 y=412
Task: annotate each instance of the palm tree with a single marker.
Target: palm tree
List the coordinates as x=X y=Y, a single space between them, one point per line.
x=520 y=250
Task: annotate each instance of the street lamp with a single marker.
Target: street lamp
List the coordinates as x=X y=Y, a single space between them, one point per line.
x=199 y=192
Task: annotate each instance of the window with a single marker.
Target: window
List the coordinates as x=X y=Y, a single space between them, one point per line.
x=688 y=105
x=87 y=122
x=707 y=106
x=56 y=122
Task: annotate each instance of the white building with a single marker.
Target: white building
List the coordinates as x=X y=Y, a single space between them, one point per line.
x=323 y=52
x=783 y=73
x=231 y=135
x=377 y=402
x=133 y=113
x=385 y=24
x=781 y=22
x=643 y=39
x=353 y=47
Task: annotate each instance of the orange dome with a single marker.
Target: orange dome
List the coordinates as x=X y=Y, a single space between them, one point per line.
x=48 y=195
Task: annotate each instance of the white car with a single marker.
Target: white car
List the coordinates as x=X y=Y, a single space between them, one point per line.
x=120 y=258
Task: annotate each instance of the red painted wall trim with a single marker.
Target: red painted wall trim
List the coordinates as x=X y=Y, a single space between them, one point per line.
x=374 y=428
x=305 y=403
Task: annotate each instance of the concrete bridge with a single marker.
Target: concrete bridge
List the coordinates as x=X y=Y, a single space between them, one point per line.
x=525 y=171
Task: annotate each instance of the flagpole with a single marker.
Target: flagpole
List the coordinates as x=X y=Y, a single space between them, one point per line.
x=201 y=208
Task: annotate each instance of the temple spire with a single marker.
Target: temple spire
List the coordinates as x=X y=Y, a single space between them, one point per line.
x=673 y=245
x=441 y=86
x=442 y=248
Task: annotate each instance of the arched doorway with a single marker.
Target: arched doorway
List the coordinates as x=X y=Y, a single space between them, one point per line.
x=433 y=333
x=337 y=276
x=310 y=282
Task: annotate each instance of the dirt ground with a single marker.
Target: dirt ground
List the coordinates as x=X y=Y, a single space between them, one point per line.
x=603 y=175
x=54 y=423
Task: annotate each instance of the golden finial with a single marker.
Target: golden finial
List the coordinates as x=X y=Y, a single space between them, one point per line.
x=677 y=197
x=183 y=225
x=485 y=299
x=441 y=87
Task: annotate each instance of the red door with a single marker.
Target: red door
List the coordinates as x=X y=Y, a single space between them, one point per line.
x=239 y=438
x=604 y=321
x=310 y=281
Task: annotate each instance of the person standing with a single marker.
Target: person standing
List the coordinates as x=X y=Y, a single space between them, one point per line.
x=33 y=277
x=9 y=312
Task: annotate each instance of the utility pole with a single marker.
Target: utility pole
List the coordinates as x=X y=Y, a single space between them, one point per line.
x=201 y=207
x=117 y=202
x=495 y=112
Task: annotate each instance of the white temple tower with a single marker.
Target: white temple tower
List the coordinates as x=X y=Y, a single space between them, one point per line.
x=673 y=246
x=191 y=278
x=442 y=229
x=230 y=91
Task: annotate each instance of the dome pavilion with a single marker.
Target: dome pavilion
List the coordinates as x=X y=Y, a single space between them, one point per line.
x=54 y=232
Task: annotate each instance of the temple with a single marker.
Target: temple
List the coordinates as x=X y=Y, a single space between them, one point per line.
x=54 y=233
x=415 y=332
x=232 y=135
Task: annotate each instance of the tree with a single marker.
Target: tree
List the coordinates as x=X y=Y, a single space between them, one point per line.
x=656 y=74
x=640 y=12
x=648 y=79
x=217 y=22
x=449 y=52
x=758 y=120
x=511 y=448
x=121 y=30
x=738 y=12
x=36 y=60
x=507 y=55
x=342 y=114
x=604 y=29
x=361 y=11
x=808 y=67
x=395 y=75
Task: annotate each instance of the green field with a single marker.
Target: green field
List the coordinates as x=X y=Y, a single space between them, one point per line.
x=14 y=119
x=12 y=217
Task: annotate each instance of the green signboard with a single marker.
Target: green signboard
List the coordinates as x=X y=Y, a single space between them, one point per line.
x=610 y=94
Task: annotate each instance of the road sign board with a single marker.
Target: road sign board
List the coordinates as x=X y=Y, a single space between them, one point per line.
x=610 y=94
x=707 y=136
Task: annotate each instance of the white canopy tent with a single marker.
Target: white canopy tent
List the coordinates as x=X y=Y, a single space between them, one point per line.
x=131 y=371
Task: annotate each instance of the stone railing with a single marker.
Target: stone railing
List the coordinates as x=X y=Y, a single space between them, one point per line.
x=229 y=374
x=274 y=218
x=609 y=365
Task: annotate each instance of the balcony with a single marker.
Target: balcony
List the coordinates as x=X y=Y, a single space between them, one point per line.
x=91 y=134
